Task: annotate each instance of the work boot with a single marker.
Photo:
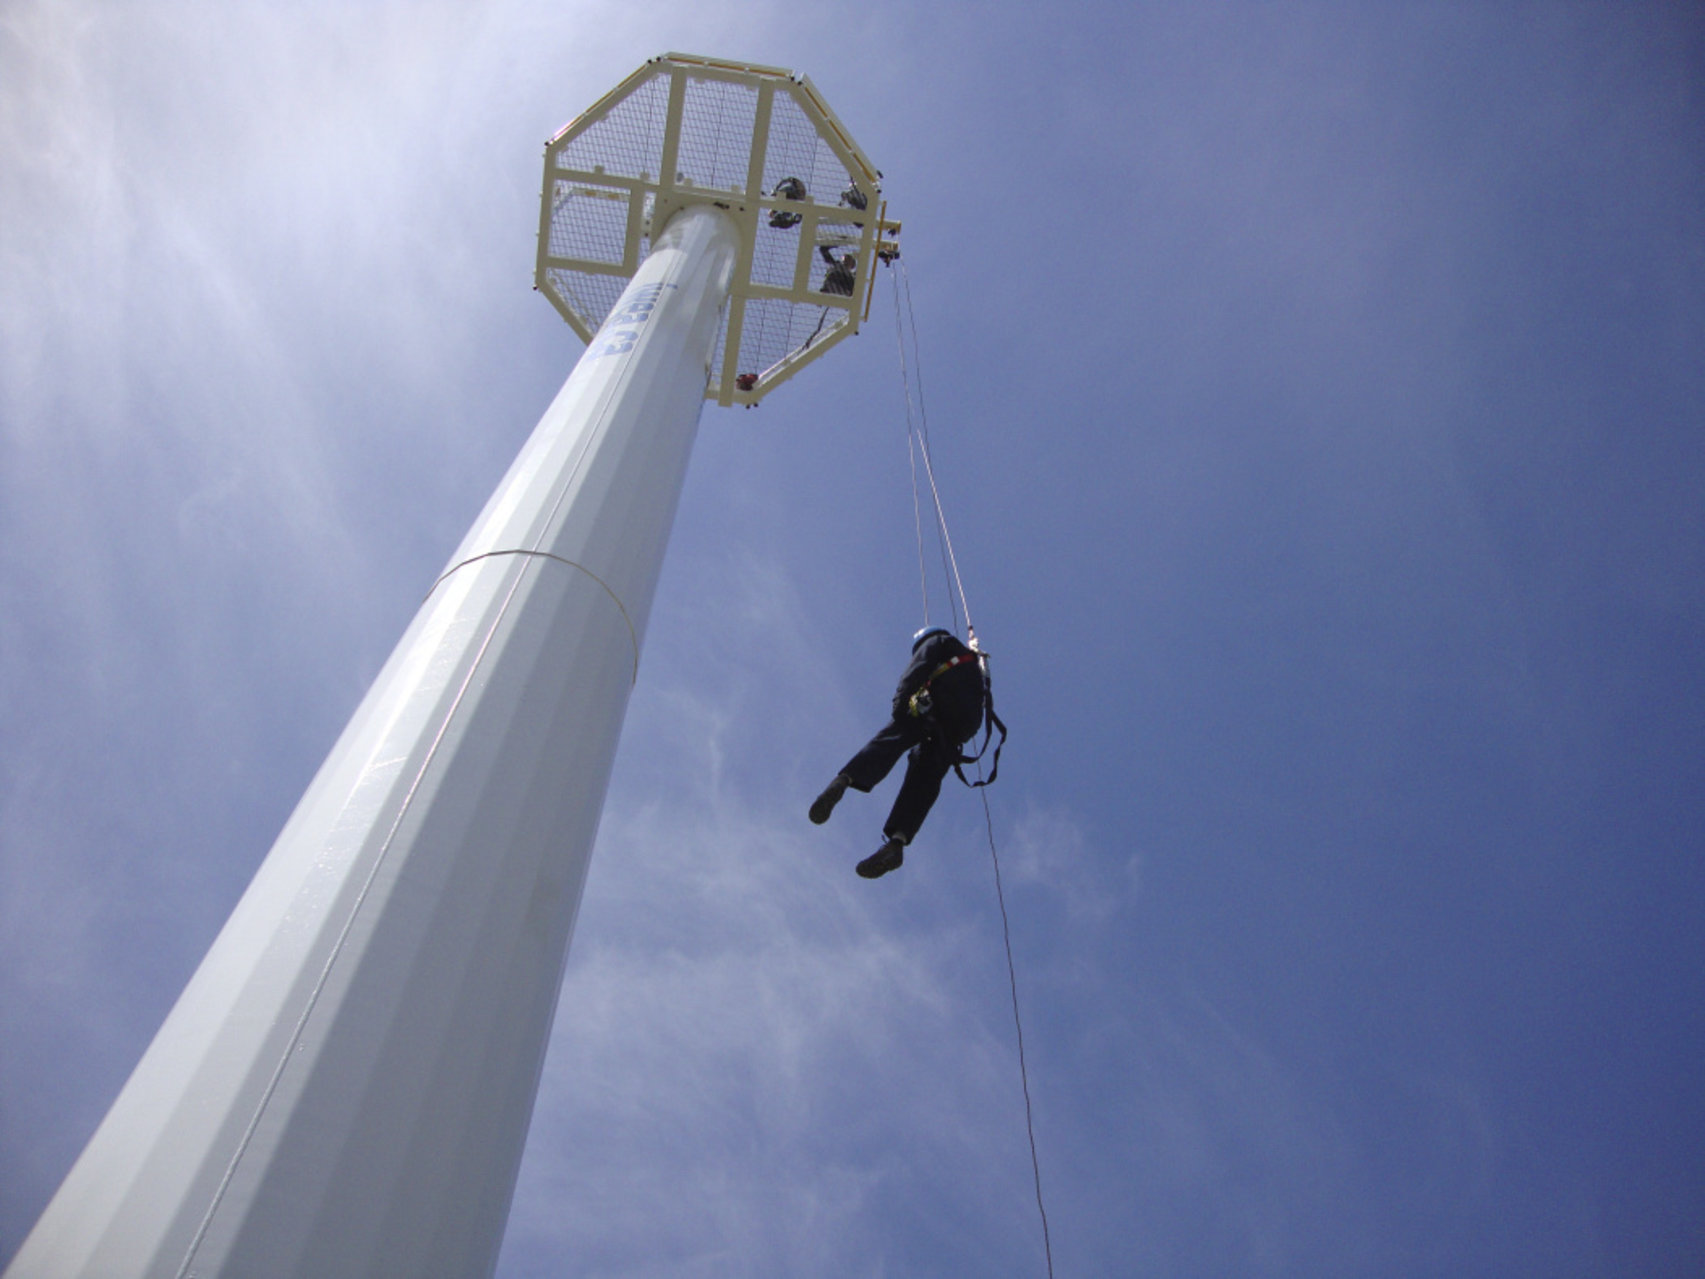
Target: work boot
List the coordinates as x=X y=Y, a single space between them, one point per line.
x=825 y=803
x=884 y=859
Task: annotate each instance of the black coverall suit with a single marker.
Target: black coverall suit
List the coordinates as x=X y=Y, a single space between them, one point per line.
x=955 y=715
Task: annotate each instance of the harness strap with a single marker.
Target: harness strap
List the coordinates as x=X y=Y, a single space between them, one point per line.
x=991 y=723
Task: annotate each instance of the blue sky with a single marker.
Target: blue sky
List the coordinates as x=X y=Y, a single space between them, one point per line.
x=1318 y=400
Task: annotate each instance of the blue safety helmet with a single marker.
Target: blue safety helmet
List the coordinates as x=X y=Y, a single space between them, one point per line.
x=924 y=634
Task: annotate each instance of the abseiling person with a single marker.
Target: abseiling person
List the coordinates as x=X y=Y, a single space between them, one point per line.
x=938 y=706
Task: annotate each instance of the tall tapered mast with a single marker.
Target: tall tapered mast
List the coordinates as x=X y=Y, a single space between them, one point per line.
x=344 y=1087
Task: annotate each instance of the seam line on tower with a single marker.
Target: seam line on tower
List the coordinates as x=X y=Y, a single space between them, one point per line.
x=633 y=638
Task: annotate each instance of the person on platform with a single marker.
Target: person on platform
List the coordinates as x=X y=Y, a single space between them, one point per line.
x=938 y=705
x=841 y=277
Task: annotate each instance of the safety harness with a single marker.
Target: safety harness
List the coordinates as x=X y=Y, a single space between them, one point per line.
x=919 y=705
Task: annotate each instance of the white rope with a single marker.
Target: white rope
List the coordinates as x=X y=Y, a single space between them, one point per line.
x=917 y=440
x=912 y=452
x=920 y=434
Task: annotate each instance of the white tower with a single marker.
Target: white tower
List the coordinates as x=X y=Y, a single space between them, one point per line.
x=344 y=1087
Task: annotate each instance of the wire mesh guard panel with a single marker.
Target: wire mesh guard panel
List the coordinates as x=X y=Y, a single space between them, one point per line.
x=716 y=134
x=757 y=143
